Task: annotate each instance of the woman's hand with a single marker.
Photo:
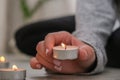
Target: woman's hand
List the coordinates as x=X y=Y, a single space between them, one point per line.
x=44 y=58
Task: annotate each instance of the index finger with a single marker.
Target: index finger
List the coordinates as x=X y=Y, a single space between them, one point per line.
x=57 y=38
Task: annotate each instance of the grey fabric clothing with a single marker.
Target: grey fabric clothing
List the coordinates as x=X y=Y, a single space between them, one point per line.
x=94 y=23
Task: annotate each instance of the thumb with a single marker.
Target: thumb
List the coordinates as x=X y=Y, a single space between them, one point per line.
x=83 y=53
x=86 y=56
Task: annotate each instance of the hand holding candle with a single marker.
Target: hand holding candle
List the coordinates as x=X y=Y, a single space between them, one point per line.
x=63 y=62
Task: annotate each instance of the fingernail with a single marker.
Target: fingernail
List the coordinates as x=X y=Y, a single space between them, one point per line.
x=58 y=68
x=56 y=62
x=47 y=51
x=38 y=66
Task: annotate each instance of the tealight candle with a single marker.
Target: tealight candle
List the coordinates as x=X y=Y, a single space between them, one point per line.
x=65 y=52
x=3 y=62
x=13 y=73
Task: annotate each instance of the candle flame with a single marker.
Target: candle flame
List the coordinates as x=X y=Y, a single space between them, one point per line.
x=2 y=59
x=14 y=67
x=63 y=45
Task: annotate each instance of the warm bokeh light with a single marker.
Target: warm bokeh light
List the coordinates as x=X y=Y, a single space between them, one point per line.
x=63 y=45
x=2 y=59
x=14 y=67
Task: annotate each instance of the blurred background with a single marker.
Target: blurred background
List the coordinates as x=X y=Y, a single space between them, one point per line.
x=14 y=14
x=17 y=13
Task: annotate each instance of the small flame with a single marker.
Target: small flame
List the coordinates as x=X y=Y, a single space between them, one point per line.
x=63 y=45
x=14 y=67
x=2 y=59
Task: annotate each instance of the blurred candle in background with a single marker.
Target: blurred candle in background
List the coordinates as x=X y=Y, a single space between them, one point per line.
x=13 y=73
x=3 y=62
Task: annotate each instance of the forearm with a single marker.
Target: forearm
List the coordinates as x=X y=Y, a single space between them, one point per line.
x=94 y=22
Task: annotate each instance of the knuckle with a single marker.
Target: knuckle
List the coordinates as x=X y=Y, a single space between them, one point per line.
x=64 y=32
x=39 y=45
x=49 y=35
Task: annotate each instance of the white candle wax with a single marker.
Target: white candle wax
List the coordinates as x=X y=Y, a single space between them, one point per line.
x=11 y=74
x=65 y=53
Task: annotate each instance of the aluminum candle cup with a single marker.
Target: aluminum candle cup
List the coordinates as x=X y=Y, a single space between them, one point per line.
x=12 y=74
x=3 y=62
x=68 y=53
x=9 y=74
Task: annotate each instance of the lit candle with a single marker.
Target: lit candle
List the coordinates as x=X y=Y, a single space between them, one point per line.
x=3 y=62
x=65 y=52
x=13 y=73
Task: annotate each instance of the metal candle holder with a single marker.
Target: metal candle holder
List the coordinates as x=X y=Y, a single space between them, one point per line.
x=67 y=53
x=10 y=74
x=4 y=64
